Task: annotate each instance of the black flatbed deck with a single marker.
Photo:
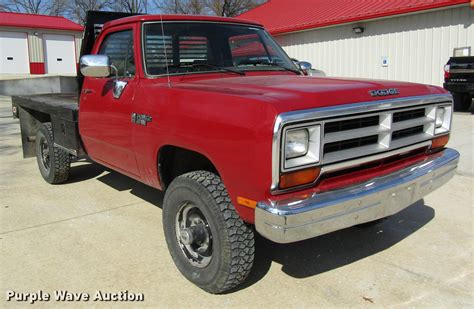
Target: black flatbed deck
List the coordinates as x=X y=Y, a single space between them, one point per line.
x=61 y=105
x=61 y=109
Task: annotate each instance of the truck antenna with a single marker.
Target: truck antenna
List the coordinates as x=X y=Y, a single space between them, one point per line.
x=164 y=48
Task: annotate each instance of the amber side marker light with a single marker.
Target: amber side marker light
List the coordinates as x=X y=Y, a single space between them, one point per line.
x=246 y=202
x=439 y=142
x=298 y=178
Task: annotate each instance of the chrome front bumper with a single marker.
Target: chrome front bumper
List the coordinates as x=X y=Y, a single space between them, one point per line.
x=306 y=217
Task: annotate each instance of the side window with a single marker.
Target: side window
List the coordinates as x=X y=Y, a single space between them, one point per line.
x=119 y=47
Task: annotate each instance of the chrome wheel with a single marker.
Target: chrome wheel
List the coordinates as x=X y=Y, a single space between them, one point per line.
x=194 y=235
x=45 y=153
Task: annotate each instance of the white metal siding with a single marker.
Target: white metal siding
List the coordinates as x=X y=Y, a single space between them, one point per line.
x=417 y=46
x=36 y=48
x=14 y=53
x=60 y=54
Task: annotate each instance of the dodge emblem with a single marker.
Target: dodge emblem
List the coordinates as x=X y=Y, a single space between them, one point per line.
x=384 y=92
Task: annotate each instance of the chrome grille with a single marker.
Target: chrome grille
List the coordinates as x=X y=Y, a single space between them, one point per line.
x=351 y=124
x=408 y=115
x=358 y=133
x=352 y=143
x=366 y=134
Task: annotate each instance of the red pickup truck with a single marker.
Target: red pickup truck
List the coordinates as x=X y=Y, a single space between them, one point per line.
x=215 y=113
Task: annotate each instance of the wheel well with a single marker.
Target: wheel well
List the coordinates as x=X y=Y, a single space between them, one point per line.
x=175 y=161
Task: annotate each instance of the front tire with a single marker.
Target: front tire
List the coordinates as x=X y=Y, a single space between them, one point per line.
x=208 y=241
x=54 y=163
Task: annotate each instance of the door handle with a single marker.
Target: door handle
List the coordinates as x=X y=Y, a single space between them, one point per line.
x=87 y=91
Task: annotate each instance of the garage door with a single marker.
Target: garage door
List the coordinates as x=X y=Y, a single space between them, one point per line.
x=60 y=54
x=14 y=53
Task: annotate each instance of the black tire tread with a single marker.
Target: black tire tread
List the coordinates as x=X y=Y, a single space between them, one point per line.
x=61 y=159
x=241 y=236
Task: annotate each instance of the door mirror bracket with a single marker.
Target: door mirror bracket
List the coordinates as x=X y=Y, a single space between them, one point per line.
x=119 y=85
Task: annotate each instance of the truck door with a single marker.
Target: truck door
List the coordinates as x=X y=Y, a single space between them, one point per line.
x=105 y=117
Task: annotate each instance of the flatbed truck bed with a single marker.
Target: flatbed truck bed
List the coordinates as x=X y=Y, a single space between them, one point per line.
x=61 y=109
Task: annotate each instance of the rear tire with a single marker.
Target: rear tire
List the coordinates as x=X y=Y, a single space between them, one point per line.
x=208 y=241
x=462 y=102
x=54 y=163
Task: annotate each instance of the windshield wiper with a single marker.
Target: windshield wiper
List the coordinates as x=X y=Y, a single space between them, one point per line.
x=273 y=64
x=216 y=67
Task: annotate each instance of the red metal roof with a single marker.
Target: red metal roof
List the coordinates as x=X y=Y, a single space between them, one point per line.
x=37 y=21
x=282 y=16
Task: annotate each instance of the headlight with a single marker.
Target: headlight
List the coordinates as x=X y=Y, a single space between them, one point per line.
x=297 y=141
x=443 y=119
x=301 y=146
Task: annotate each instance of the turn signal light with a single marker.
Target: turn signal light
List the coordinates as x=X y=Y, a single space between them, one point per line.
x=246 y=202
x=298 y=178
x=439 y=142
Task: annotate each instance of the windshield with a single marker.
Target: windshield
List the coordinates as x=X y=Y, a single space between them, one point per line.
x=205 y=47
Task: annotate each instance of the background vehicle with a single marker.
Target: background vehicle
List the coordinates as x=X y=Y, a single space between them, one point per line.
x=214 y=112
x=459 y=80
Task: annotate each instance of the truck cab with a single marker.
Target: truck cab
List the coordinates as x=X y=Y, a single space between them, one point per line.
x=214 y=112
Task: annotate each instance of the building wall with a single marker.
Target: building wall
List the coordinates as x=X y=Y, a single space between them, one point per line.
x=417 y=46
x=35 y=45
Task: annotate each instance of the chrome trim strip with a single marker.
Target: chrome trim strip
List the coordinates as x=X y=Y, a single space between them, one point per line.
x=303 y=217
x=348 y=110
x=363 y=107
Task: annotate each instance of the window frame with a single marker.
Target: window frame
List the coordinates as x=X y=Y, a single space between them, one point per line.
x=142 y=44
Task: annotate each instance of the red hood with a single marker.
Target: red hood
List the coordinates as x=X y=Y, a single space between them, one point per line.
x=291 y=92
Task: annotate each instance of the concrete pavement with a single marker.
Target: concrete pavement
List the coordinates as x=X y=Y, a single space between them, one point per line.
x=102 y=232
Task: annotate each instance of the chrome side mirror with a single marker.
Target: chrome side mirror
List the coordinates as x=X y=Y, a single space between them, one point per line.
x=95 y=66
x=304 y=66
x=100 y=66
